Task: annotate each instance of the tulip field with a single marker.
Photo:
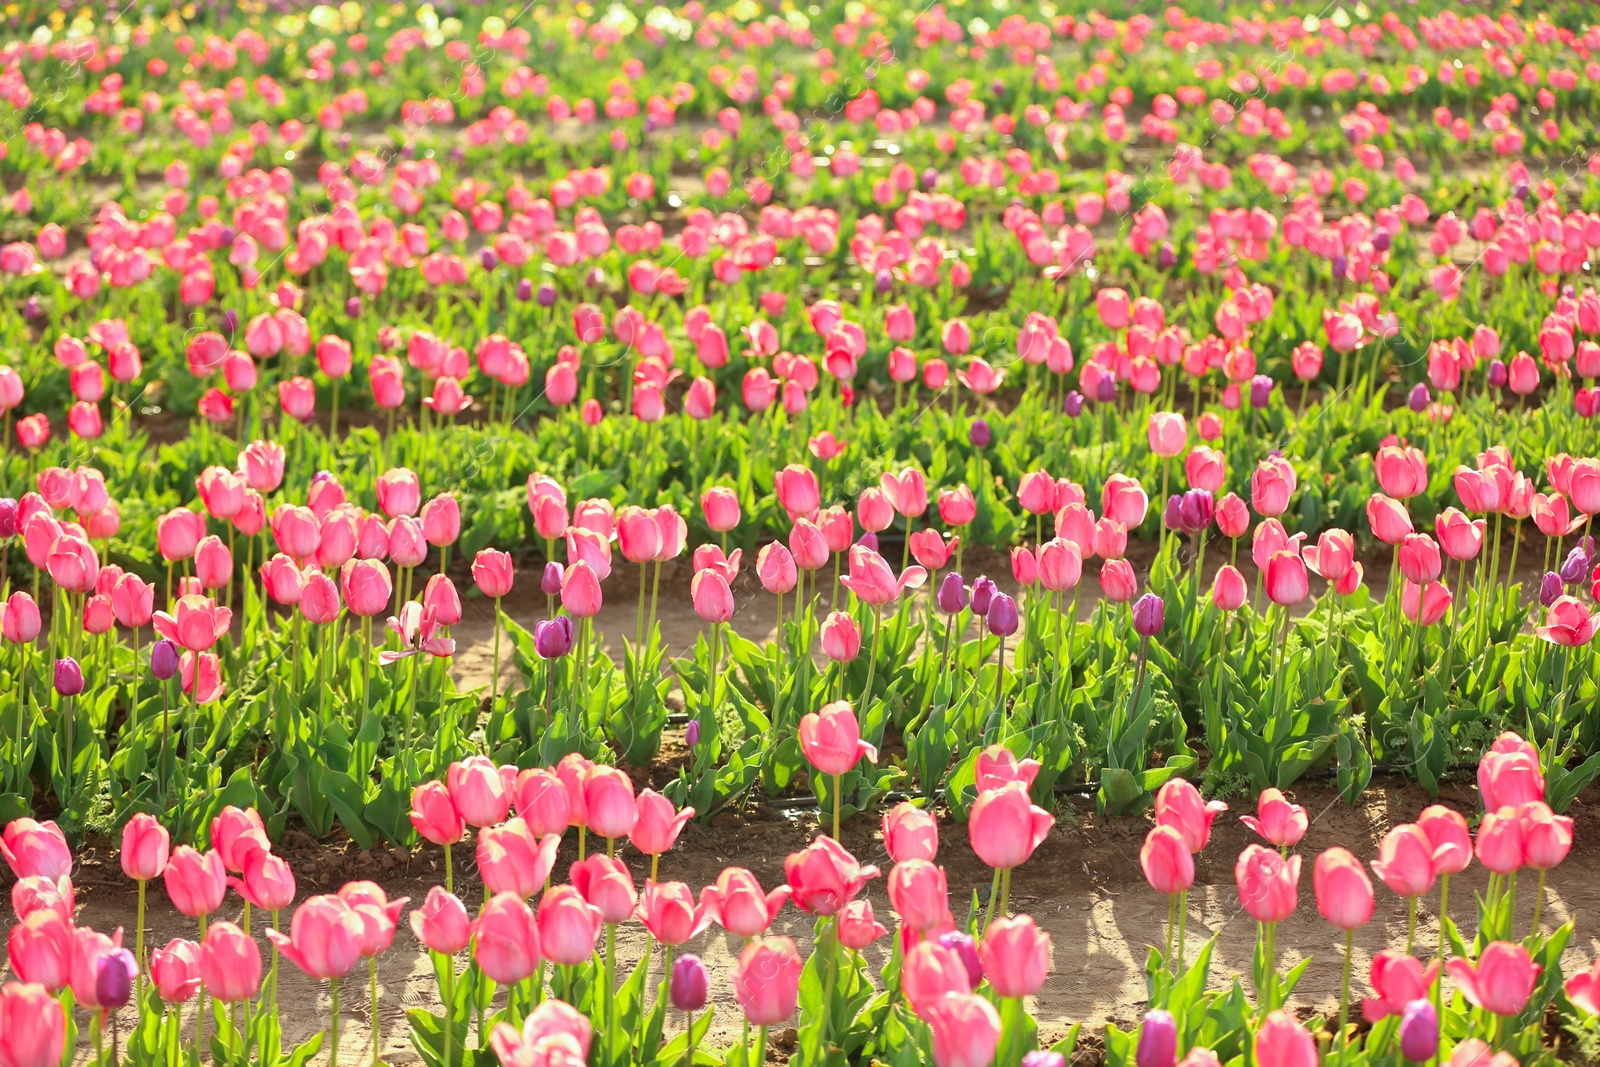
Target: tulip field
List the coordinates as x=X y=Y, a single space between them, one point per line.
x=745 y=532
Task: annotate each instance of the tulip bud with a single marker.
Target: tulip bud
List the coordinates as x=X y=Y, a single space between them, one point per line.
x=550 y=583
x=1419 y=399
x=952 y=594
x=68 y=677
x=552 y=638
x=691 y=733
x=1549 y=588
x=983 y=591
x=980 y=435
x=1002 y=615
x=966 y=949
x=113 y=980
x=690 y=983
x=1419 y=1031
x=1073 y=404
x=1158 y=1040
x=1497 y=374
x=163 y=660
x=1149 y=614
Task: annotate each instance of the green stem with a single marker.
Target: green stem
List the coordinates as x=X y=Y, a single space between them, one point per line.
x=1344 y=989
x=377 y=1037
x=333 y=1025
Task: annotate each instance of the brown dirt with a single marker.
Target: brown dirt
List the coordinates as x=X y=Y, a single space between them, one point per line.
x=1083 y=886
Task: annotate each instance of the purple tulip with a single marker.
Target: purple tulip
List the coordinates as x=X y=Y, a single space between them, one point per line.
x=552 y=638
x=1420 y=398
x=352 y=308
x=1002 y=615
x=1158 y=1040
x=69 y=677
x=1167 y=257
x=1575 y=567
x=1149 y=614
x=930 y=178
x=1260 y=391
x=690 y=984
x=489 y=260
x=1073 y=404
x=1497 y=373
x=1341 y=266
x=980 y=435
x=550 y=582
x=8 y=518
x=163 y=660
x=1549 y=588
x=1419 y=1031
x=1172 y=514
x=691 y=734
x=983 y=591
x=1105 y=390
x=1198 y=508
x=952 y=594
x=882 y=282
x=967 y=949
x=1381 y=241
x=113 y=981
x=868 y=540
x=524 y=289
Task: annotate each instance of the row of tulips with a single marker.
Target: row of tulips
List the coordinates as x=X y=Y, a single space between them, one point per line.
x=542 y=983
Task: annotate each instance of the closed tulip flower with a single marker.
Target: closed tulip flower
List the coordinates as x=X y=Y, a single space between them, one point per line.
x=1124 y=500
x=966 y=1030
x=919 y=894
x=441 y=924
x=569 y=926
x=1447 y=834
x=841 y=637
x=1546 y=836
x=266 y=882
x=607 y=884
x=230 y=963
x=1509 y=774
x=1501 y=982
x=1343 y=890
x=1180 y=806
x=1419 y=559
x=1402 y=471
x=1405 y=861
x=712 y=597
x=1228 y=588
x=506 y=940
x=609 y=802
x=40 y=948
x=910 y=833
x=1286 y=580
x=492 y=573
x=1425 y=604
x=175 y=971
x=1272 y=486
x=434 y=814
x=366 y=586
x=1167 y=862
x=580 y=590
x=1118 y=581
x=478 y=791
x=1283 y=1042
x=1419 y=1031
x=670 y=913
x=775 y=566
x=1005 y=827
x=1016 y=956
x=33 y=1026
x=933 y=971
x=858 y=928
x=831 y=741
x=195 y=881
x=1500 y=843
x=1268 y=884
x=1158 y=1040
x=766 y=981
x=658 y=825
x=797 y=490
x=145 y=848
x=324 y=938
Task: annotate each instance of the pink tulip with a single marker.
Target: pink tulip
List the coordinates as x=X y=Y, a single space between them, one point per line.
x=670 y=912
x=1546 y=836
x=1509 y=774
x=607 y=884
x=236 y=833
x=378 y=914
x=609 y=802
x=1180 y=806
x=434 y=814
x=196 y=624
x=230 y=963
x=267 y=882
x=858 y=928
x=1166 y=860
x=931 y=973
x=324 y=938
x=910 y=833
x=33 y=1026
x=658 y=825
x=506 y=940
x=175 y=970
x=145 y=848
x=831 y=741
x=1447 y=834
x=542 y=801
x=1276 y=820
x=35 y=849
x=1343 y=890
x=568 y=926
x=1405 y=861
x=1168 y=434
x=766 y=980
x=553 y=1034
x=1397 y=980
x=40 y=947
x=998 y=766
x=580 y=590
x=920 y=895
x=797 y=490
x=966 y=1030
x=512 y=860
x=825 y=877
x=1283 y=1042
x=441 y=924
x=195 y=881
x=1268 y=884
x=478 y=791
x=1005 y=827
x=1501 y=982
x=737 y=904
x=1500 y=844
x=1016 y=956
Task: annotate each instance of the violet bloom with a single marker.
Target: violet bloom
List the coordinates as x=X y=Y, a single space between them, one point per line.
x=1420 y=398
x=868 y=540
x=68 y=677
x=553 y=638
x=1105 y=390
x=1197 y=509
x=983 y=591
x=1419 y=1031
x=524 y=289
x=1002 y=615
x=1158 y=1040
x=1073 y=404
x=489 y=260
x=952 y=594
x=967 y=950
x=352 y=307
x=547 y=295
x=8 y=518
x=980 y=435
x=1260 y=391
x=1497 y=373
x=1549 y=588
x=1149 y=615
x=690 y=985
x=691 y=733
x=163 y=660
x=1167 y=257
x=113 y=980
x=550 y=582
x=1575 y=567
x=230 y=321
x=882 y=282
x=1172 y=514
